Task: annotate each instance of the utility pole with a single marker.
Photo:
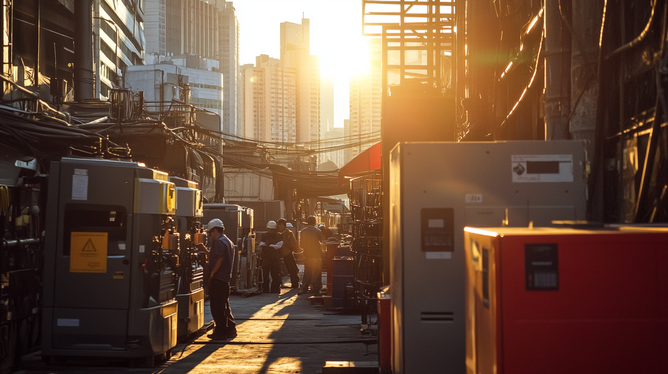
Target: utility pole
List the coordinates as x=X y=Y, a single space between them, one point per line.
x=83 y=45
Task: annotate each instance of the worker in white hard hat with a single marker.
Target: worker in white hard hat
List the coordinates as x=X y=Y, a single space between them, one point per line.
x=270 y=251
x=289 y=246
x=221 y=259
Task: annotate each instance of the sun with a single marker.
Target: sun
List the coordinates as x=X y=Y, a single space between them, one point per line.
x=342 y=56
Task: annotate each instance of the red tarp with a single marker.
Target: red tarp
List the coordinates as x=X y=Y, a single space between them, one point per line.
x=364 y=163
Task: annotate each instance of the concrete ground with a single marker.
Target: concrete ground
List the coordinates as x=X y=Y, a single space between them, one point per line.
x=276 y=334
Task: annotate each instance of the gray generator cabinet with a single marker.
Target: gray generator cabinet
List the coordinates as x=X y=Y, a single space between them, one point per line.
x=248 y=260
x=109 y=288
x=190 y=284
x=436 y=189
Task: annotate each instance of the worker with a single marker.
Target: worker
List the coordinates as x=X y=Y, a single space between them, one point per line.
x=300 y=251
x=326 y=232
x=289 y=246
x=221 y=259
x=311 y=240
x=270 y=250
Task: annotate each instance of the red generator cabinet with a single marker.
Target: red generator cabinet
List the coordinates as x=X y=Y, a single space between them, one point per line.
x=565 y=300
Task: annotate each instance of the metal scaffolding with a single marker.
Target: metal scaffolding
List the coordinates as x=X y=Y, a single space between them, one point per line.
x=419 y=40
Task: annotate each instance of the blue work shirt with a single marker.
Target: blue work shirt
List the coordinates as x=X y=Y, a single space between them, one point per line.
x=222 y=248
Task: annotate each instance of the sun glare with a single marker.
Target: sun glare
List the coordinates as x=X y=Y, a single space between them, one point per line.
x=342 y=57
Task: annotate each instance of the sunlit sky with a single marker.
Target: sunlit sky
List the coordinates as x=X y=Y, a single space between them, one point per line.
x=336 y=36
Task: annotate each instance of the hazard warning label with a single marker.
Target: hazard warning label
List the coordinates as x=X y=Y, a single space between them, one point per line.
x=88 y=252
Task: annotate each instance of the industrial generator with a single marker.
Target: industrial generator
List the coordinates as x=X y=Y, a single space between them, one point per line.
x=566 y=300
x=186 y=232
x=248 y=259
x=436 y=189
x=110 y=282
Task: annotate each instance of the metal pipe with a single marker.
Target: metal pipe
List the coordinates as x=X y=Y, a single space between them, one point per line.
x=586 y=16
x=38 y=36
x=5 y=52
x=162 y=92
x=557 y=71
x=640 y=37
x=96 y=47
x=622 y=118
x=642 y=205
x=83 y=45
x=11 y=36
x=595 y=202
x=20 y=242
x=3 y=55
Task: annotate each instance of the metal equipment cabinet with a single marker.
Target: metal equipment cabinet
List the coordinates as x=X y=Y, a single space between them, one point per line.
x=564 y=300
x=238 y=222
x=190 y=283
x=436 y=189
x=367 y=243
x=109 y=288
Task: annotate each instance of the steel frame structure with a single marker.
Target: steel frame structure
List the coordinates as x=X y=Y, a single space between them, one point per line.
x=419 y=40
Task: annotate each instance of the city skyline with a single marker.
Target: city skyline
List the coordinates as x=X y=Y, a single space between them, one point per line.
x=336 y=37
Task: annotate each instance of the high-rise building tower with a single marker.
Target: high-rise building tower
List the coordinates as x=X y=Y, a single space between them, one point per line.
x=241 y=102
x=118 y=42
x=296 y=54
x=269 y=97
x=191 y=28
x=326 y=106
x=203 y=29
x=254 y=99
x=155 y=27
x=333 y=136
x=365 y=102
x=229 y=65
x=182 y=27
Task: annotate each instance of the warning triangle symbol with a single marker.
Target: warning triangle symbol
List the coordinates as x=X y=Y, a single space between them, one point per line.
x=89 y=247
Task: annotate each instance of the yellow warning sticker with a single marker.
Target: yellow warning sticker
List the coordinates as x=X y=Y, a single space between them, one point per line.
x=88 y=252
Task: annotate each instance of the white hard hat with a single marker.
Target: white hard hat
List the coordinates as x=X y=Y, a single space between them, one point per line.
x=216 y=222
x=289 y=225
x=271 y=225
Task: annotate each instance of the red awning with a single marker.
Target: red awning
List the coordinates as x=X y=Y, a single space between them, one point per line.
x=365 y=163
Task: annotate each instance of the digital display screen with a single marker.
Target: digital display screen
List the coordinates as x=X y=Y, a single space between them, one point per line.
x=438 y=233
x=542 y=167
x=436 y=223
x=541 y=262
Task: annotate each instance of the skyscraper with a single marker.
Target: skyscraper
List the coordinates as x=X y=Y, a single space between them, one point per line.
x=155 y=27
x=229 y=65
x=365 y=102
x=270 y=106
x=191 y=28
x=204 y=29
x=118 y=43
x=296 y=54
x=326 y=106
x=242 y=102
x=333 y=136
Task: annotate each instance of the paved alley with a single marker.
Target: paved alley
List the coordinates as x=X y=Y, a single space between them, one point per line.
x=276 y=334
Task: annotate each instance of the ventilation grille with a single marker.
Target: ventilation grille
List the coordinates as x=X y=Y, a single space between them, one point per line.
x=443 y=317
